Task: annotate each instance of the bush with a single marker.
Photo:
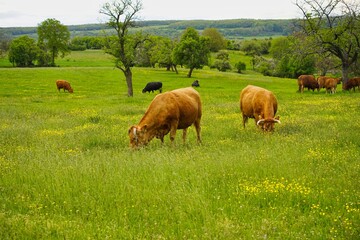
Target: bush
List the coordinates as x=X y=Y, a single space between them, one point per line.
x=23 y=52
x=240 y=66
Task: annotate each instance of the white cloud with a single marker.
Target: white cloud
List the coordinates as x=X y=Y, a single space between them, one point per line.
x=71 y=12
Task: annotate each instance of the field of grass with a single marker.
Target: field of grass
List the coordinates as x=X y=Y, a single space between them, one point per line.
x=66 y=170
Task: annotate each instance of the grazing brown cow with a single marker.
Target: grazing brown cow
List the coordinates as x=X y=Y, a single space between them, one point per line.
x=321 y=81
x=330 y=85
x=65 y=85
x=260 y=104
x=352 y=83
x=307 y=81
x=169 y=111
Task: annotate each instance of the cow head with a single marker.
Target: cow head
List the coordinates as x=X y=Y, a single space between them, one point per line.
x=268 y=123
x=138 y=136
x=71 y=90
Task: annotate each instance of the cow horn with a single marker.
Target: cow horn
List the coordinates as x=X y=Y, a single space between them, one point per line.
x=260 y=121
x=276 y=120
x=134 y=132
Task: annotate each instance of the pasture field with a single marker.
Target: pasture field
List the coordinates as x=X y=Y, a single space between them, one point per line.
x=66 y=170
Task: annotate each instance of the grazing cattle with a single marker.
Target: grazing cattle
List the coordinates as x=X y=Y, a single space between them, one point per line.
x=195 y=83
x=169 y=111
x=352 y=83
x=330 y=85
x=260 y=104
x=307 y=81
x=152 y=86
x=322 y=79
x=65 y=85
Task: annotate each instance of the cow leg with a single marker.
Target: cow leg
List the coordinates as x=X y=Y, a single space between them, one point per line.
x=245 y=119
x=173 y=127
x=198 y=130
x=184 y=135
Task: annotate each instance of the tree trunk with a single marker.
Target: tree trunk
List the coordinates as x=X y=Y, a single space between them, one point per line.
x=53 y=57
x=190 y=72
x=345 y=73
x=128 y=76
x=175 y=69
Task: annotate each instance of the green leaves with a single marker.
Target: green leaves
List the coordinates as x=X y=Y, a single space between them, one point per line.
x=54 y=38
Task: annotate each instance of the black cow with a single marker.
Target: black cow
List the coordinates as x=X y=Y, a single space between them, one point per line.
x=152 y=86
x=195 y=83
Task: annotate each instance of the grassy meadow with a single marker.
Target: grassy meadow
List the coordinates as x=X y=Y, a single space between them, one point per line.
x=66 y=170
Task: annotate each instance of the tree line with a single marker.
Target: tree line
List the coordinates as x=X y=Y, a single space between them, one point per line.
x=230 y=29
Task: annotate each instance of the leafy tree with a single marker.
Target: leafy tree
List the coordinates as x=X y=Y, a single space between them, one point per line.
x=122 y=16
x=161 y=53
x=216 y=39
x=23 y=51
x=334 y=25
x=53 y=38
x=222 y=62
x=192 y=51
x=292 y=57
x=256 y=47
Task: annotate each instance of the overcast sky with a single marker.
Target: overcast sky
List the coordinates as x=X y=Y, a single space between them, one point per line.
x=23 y=13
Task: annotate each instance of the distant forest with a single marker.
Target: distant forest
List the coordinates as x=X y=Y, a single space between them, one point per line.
x=231 y=29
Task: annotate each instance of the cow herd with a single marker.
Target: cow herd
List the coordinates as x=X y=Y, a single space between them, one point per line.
x=181 y=108
x=329 y=83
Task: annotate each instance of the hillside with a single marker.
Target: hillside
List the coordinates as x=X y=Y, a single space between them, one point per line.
x=231 y=29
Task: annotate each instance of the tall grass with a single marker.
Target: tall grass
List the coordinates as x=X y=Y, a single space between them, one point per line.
x=66 y=170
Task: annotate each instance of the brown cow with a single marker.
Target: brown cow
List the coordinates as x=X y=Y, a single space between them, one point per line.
x=65 y=85
x=330 y=85
x=353 y=83
x=169 y=111
x=260 y=104
x=322 y=79
x=307 y=81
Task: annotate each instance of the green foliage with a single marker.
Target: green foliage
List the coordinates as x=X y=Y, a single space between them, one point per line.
x=66 y=171
x=230 y=29
x=87 y=42
x=293 y=57
x=23 y=52
x=240 y=66
x=192 y=51
x=53 y=39
x=216 y=39
x=256 y=46
x=222 y=61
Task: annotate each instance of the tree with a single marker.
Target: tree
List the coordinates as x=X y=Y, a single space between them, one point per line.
x=161 y=53
x=240 y=66
x=54 y=38
x=334 y=25
x=23 y=51
x=122 y=16
x=216 y=39
x=292 y=56
x=192 y=51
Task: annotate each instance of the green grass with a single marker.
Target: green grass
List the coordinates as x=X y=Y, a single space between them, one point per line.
x=66 y=170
